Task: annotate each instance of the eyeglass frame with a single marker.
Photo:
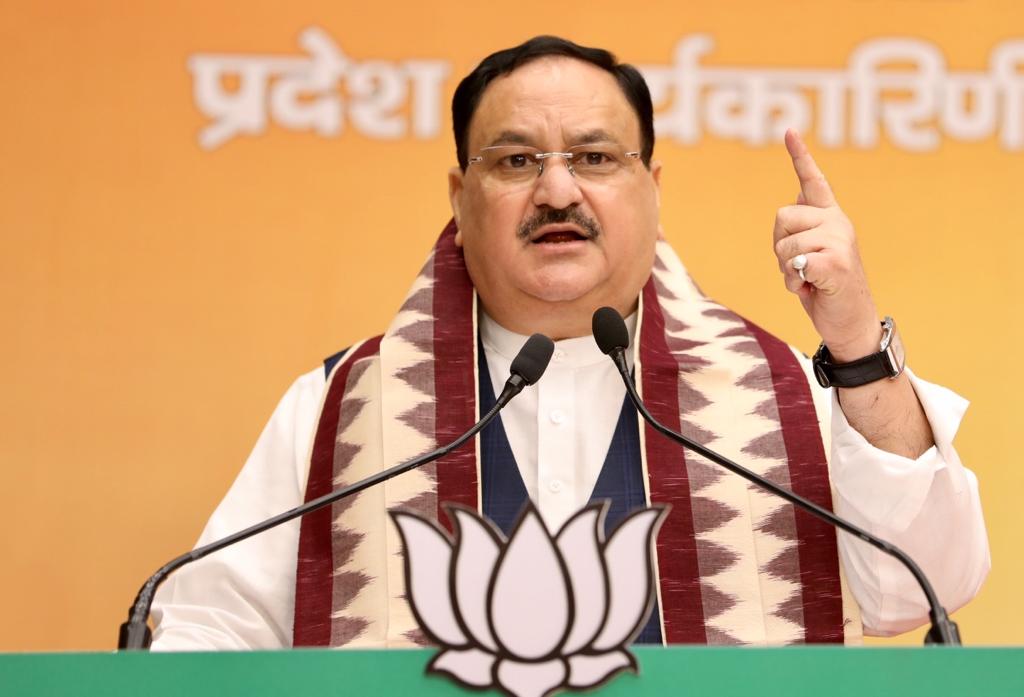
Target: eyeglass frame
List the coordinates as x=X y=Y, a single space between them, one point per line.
x=540 y=157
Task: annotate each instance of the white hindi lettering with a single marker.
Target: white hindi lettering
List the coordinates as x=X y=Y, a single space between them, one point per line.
x=1006 y=64
x=304 y=93
x=897 y=88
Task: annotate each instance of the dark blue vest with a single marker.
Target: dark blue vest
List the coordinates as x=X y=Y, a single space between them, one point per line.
x=621 y=479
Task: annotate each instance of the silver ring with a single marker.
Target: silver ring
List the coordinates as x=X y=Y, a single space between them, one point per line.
x=800 y=263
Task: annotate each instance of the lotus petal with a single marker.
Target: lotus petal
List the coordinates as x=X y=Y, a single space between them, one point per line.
x=531 y=679
x=589 y=671
x=472 y=666
x=530 y=608
x=580 y=545
x=428 y=557
x=627 y=557
x=475 y=555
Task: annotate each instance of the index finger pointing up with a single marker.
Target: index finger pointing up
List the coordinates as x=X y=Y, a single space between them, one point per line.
x=815 y=189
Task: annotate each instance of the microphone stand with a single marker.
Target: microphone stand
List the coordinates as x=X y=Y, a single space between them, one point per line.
x=943 y=630
x=136 y=635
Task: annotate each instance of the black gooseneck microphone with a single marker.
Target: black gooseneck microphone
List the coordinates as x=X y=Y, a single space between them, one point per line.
x=612 y=338
x=527 y=368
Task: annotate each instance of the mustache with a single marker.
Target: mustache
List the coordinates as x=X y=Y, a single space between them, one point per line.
x=549 y=216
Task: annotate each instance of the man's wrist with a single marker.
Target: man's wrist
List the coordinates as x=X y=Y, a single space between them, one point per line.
x=859 y=336
x=867 y=343
x=882 y=360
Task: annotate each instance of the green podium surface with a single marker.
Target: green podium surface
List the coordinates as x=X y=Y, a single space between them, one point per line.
x=830 y=671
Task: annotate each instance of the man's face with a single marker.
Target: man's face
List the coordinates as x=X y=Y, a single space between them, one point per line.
x=559 y=241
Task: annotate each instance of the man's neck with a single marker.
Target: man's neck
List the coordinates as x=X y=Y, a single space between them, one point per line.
x=555 y=320
x=571 y=352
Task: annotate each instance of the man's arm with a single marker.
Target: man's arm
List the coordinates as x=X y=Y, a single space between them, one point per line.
x=928 y=506
x=888 y=414
x=243 y=597
x=835 y=295
x=893 y=465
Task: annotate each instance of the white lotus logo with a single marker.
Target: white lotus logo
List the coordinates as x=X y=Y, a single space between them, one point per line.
x=534 y=614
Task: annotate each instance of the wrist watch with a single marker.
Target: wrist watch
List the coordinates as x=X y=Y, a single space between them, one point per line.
x=887 y=363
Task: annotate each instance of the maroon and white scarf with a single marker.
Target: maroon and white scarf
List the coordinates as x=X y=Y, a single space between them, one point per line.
x=736 y=565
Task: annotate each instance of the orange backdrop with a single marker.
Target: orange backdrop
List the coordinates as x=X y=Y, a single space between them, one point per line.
x=158 y=296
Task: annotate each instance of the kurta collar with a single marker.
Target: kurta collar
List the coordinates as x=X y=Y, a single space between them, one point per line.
x=578 y=352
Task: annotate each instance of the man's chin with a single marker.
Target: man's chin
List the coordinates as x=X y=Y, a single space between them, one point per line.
x=563 y=292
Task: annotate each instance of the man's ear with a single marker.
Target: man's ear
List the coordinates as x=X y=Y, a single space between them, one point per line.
x=656 y=175
x=455 y=189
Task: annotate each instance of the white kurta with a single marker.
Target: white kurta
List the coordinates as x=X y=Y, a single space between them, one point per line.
x=243 y=597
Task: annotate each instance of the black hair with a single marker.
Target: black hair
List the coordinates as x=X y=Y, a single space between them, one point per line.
x=470 y=90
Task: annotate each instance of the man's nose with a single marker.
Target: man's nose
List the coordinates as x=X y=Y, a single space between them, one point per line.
x=556 y=185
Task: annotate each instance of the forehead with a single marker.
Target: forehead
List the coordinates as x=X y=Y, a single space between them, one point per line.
x=552 y=102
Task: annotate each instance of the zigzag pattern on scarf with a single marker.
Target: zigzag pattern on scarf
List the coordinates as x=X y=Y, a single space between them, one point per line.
x=741 y=604
x=775 y=527
x=333 y=459
x=352 y=582
x=407 y=374
x=404 y=368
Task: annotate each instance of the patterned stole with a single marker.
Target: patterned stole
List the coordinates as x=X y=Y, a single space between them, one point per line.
x=737 y=566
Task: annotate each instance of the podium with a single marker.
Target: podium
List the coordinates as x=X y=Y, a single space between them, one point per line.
x=805 y=670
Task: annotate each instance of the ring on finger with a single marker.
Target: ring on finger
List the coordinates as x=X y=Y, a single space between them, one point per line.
x=800 y=264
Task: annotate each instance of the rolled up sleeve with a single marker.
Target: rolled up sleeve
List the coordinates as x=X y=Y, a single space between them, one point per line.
x=929 y=507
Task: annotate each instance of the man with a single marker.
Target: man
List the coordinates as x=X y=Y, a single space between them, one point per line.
x=555 y=204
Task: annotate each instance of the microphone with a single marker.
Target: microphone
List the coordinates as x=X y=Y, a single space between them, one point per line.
x=527 y=368
x=612 y=338
x=528 y=365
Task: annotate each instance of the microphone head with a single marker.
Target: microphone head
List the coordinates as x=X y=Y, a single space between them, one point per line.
x=532 y=360
x=610 y=331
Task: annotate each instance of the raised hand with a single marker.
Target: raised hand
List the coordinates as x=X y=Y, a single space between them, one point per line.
x=834 y=288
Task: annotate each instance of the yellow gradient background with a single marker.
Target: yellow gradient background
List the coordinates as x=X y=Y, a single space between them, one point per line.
x=157 y=299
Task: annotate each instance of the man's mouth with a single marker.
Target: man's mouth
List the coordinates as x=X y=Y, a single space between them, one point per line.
x=558 y=226
x=559 y=236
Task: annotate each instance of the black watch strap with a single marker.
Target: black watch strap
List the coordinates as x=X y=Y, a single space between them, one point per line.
x=853 y=374
x=887 y=363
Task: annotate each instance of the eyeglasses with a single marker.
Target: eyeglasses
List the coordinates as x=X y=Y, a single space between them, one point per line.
x=516 y=165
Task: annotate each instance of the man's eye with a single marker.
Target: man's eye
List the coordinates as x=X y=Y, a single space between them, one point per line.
x=516 y=161
x=594 y=158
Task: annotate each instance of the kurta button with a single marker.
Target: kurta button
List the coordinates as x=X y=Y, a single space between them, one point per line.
x=555 y=485
x=557 y=416
x=559 y=355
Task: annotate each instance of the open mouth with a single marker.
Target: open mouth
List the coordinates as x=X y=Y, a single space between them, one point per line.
x=559 y=237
